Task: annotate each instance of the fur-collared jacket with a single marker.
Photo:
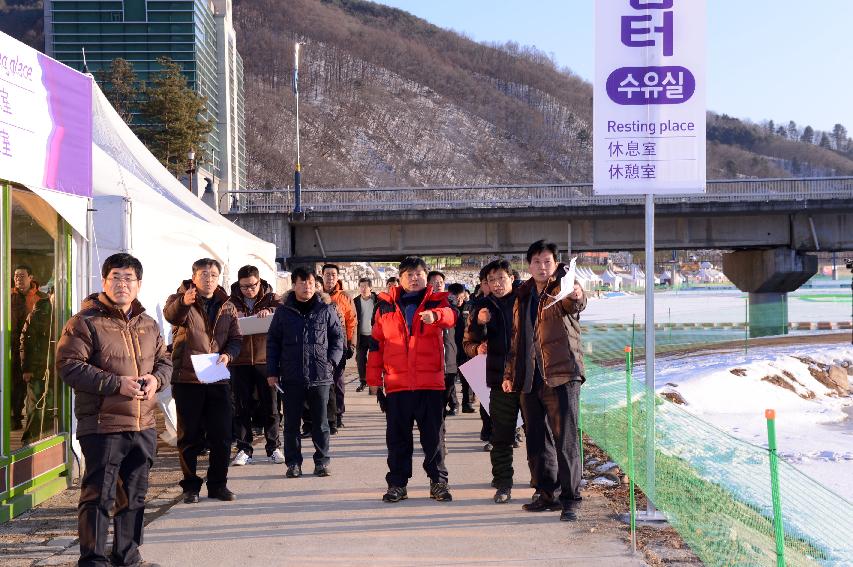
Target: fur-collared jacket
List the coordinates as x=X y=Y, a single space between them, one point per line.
x=305 y=348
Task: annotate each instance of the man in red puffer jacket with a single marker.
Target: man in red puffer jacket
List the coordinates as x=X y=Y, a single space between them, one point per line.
x=407 y=353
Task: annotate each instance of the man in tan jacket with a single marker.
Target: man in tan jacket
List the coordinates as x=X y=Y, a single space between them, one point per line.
x=204 y=322
x=113 y=355
x=545 y=364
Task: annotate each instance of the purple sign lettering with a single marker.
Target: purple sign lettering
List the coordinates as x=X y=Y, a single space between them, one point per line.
x=650 y=85
x=639 y=35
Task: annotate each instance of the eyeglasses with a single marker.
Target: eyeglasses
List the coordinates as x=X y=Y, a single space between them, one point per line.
x=498 y=280
x=207 y=275
x=250 y=286
x=126 y=281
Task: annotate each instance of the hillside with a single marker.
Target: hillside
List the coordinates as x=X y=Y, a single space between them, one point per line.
x=387 y=99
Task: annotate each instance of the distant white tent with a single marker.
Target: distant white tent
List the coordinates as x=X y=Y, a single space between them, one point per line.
x=587 y=278
x=612 y=280
x=142 y=209
x=710 y=275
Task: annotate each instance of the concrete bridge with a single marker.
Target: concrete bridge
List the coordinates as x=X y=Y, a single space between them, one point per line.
x=388 y=223
x=770 y=224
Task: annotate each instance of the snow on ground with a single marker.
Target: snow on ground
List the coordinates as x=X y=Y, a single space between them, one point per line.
x=717 y=306
x=814 y=423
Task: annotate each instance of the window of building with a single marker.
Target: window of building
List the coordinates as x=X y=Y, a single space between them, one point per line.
x=115 y=16
x=135 y=11
x=38 y=260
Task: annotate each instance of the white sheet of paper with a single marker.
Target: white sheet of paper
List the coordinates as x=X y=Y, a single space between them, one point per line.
x=254 y=325
x=207 y=370
x=475 y=373
x=567 y=284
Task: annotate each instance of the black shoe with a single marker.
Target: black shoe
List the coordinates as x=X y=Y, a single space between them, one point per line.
x=542 y=504
x=361 y=387
x=204 y=452
x=222 y=493
x=488 y=447
x=333 y=429
x=190 y=497
x=568 y=515
x=322 y=470
x=395 y=494
x=293 y=471
x=339 y=422
x=438 y=491
x=467 y=409
x=305 y=434
x=503 y=495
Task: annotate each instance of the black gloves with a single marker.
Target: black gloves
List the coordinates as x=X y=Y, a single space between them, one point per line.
x=381 y=399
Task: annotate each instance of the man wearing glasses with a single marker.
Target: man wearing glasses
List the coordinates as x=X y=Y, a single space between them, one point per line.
x=205 y=322
x=113 y=355
x=253 y=297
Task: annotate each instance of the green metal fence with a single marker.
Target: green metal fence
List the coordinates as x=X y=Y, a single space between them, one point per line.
x=714 y=488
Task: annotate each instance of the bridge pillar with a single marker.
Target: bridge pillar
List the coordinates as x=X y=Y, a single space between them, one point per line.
x=768 y=276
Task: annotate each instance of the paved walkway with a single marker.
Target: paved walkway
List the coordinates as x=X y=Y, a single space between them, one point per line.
x=340 y=520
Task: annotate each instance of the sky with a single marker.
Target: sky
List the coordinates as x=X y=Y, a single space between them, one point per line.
x=766 y=59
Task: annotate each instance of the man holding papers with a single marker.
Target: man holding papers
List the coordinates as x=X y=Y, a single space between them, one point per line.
x=304 y=345
x=204 y=322
x=253 y=297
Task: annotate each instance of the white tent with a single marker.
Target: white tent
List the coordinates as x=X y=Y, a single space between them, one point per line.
x=587 y=278
x=142 y=209
x=611 y=279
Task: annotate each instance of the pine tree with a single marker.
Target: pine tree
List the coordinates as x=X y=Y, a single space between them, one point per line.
x=793 y=132
x=824 y=141
x=839 y=135
x=808 y=135
x=172 y=117
x=121 y=87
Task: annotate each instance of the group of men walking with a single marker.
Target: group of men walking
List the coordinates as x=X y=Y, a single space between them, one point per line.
x=116 y=359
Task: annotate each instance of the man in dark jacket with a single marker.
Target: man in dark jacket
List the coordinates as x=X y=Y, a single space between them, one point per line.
x=546 y=365
x=435 y=280
x=407 y=358
x=113 y=355
x=253 y=297
x=36 y=355
x=489 y=332
x=456 y=298
x=25 y=295
x=304 y=345
x=365 y=309
x=204 y=322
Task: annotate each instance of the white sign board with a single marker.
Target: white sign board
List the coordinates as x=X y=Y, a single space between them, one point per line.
x=45 y=121
x=649 y=97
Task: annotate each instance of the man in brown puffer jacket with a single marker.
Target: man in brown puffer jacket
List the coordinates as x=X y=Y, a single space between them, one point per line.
x=545 y=364
x=204 y=322
x=114 y=357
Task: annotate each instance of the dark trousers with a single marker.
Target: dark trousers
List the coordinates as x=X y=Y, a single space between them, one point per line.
x=504 y=408
x=338 y=377
x=467 y=392
x=486 y=427
x=19 y=390
x=404 y=409
x=40 y=410
x=116 y=474
x=295 y=396
x=557 y=466
x=204 y=417
x=451 y=400
x=361 y=350
x=246 y=380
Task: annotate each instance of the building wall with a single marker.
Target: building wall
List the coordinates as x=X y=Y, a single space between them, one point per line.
x=191 y=32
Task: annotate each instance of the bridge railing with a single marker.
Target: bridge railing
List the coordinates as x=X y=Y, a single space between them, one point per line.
x=494 y=196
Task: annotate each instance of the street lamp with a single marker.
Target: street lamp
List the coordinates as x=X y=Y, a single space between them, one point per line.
x=297 y=176
x=849 y=263
x=191 y=167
